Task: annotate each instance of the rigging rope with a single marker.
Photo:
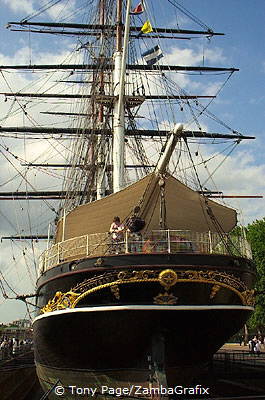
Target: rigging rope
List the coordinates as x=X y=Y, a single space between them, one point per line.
x=186 y=12
x=25 y=179
x=7 y=284
x=221 y=163
x=226 y=240
x=208 y=208
x=42 y=9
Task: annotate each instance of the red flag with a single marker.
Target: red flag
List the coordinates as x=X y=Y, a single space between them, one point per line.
x=138 y=9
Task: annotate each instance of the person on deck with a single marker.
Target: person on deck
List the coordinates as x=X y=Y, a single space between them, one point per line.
x=116 y=229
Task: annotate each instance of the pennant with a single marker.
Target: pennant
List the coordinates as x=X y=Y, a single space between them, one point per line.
x=147 y=27
x=137 y=10
x=153 y=55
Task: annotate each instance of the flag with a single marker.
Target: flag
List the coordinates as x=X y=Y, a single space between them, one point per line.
x=147 y=27
x=153 y=55
x=139 y=9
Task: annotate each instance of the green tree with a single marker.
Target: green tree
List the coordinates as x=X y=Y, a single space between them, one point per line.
x=256 y=237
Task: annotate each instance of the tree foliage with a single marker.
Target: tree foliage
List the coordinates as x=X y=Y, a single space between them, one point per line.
x=256 y=237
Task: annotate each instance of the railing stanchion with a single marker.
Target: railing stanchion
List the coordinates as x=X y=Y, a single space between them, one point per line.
x=126 y=242
x=58 y=253
x=63 y=228
x=168 y=241
x=210 y=243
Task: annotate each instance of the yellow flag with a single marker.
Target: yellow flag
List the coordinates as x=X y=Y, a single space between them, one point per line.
x=147 y=27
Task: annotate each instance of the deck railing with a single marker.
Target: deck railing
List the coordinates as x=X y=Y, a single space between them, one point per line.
x=160 y=241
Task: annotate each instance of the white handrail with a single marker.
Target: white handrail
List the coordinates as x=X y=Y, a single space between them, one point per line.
x=159 y=241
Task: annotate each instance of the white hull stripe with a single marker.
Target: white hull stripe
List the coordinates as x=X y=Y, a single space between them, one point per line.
x=141 y=308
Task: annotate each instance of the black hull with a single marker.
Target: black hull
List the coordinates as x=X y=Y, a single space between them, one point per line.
x=114 y=348
x=107 y=339
x=129 y=322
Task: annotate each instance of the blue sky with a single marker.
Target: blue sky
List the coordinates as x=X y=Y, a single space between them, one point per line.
x=240 y=104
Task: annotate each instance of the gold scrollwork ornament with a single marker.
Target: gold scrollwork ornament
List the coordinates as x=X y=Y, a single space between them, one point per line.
x=249 y=297
x=61 y=301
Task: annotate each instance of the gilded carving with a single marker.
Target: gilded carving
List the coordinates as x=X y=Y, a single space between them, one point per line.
x=99 y=262
x=61 y=301
x=116 y=291
x=215 y=289
x=136 y=275
x=249 y=297
x=166 y=278
x=165 y=298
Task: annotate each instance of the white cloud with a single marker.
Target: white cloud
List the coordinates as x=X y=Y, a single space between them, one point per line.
x=61 y=9
x=24 y=6
x=238 y=175
x=194 y=56
x=29 y=7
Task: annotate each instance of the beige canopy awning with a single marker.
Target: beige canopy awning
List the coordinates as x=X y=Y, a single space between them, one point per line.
x=186 y=209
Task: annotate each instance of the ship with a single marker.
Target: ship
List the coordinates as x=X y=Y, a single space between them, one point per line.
x=145 y=276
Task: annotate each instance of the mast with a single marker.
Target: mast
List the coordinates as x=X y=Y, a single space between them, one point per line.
x=101 y=182
x=120 y=57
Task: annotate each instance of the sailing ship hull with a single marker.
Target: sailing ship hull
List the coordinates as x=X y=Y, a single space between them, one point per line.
x=132 y=312
x=95 y=348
